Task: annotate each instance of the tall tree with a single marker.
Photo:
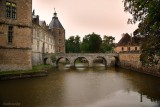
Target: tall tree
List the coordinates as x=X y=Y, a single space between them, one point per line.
x=91 y=43
x=147 y=12
x=73 y=44
x=77 y=44
x=108 y=43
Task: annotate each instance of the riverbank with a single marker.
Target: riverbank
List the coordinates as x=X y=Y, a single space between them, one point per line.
x=37 y=71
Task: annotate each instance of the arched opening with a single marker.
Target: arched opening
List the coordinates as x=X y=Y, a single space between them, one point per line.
x=114 y=61
x=81 y=62
x=62 y=62
x=99 y=62
x=45 y=61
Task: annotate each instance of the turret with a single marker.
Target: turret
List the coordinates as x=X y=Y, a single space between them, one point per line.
x=58 y=32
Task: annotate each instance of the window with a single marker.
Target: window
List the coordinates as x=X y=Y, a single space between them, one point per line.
x=60 y=41
x=129 y=49
x=43 y=36
x=37 y=45
x=60 y=33
x=59 y=49
x=136 y=48
x=11 y=10
x=122 y=48
x=10 y=34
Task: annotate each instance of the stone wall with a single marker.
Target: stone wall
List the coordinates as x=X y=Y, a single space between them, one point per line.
x=43 y=42
x=37 y=58
x=21 y=37
x=15 y=59
x=16 y=55
x=59 y=35
x=132 y=61
x=24 y=12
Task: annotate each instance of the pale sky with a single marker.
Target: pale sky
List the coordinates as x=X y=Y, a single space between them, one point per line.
x=82 y=17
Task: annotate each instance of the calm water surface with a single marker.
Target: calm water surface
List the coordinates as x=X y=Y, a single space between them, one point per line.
x=83 y=87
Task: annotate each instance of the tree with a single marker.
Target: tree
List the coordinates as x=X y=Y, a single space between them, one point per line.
x=77 y=44
x=91 y=43
x=107 y=43
x=53 y=58
x=73 y=44
x=147 y=12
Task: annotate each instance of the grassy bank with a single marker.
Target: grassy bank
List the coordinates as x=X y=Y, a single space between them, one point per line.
x=37 y=68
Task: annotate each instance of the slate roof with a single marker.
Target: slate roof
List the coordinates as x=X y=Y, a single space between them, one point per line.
x=127 y=40
x=55 y=23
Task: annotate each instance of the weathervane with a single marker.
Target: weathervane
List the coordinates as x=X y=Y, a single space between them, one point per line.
x=55 y=14
x=54 y=10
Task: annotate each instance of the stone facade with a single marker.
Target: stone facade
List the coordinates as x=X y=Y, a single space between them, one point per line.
x=128 y=44
x=15 y=34
x=129 y=55
x=60 y=40
x=132 y=61
x=24 y=40
x=42 y=42
x=127 y=48
x=46 y=40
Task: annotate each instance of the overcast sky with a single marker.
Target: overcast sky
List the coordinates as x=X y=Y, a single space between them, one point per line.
x=82 y=17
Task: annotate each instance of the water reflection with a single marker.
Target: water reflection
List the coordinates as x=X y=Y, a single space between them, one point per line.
x=84 y=87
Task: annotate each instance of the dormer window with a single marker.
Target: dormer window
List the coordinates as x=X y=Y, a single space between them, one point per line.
x=11 y=10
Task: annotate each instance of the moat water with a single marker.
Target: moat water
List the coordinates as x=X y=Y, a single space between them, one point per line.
x=83 y=87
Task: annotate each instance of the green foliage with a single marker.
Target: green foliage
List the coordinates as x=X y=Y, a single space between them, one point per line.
x=108 y=43
x=53 y=58
x=147 y=12
x=73 y=44
x=91 y=43
x=150 y=52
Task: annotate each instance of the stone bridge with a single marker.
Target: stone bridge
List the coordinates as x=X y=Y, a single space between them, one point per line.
x=90 y=57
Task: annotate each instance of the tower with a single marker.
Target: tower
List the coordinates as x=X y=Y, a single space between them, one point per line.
x=15 y=34
x=59 y=34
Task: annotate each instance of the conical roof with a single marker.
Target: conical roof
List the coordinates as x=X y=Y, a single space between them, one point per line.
x=55 y=23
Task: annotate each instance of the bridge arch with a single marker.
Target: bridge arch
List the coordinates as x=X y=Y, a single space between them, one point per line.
x=103 y=59
x=82 y=59
x=72 y=57
x=45 y=60
x=59 y=58
x=116 y=60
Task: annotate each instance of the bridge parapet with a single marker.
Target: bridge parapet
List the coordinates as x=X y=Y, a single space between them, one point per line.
x=87 y=54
